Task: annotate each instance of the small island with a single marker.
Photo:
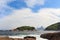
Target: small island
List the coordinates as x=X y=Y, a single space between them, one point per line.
x=25 y=28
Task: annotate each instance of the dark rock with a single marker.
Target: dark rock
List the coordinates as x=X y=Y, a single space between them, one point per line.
x=51 y=36
x=29 y=38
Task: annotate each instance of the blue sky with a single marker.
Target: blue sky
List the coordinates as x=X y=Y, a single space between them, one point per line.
x=19 y=4
x=52 y=4
x=14 y=13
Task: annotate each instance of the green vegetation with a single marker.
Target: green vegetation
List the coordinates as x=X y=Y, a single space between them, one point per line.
x=22 y=28
x=55 y=26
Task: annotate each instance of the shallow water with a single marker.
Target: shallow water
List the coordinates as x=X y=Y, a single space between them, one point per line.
x=22 y=34
x=35 y=34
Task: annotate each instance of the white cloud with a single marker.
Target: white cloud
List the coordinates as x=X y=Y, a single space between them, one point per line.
x=48 y=16
x=4 y=8
x=32 y=3
x=25 y=16
x=3 y=3
x=55 y=12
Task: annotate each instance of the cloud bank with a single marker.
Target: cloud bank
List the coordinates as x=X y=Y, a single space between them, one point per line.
x=25 y=16
x=4 y=9
x=32 y=3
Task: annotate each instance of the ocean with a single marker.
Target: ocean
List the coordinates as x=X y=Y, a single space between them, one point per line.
x=22 y=34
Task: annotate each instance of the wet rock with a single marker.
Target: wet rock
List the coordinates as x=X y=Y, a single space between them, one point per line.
x=51 y=36
x=29 y=38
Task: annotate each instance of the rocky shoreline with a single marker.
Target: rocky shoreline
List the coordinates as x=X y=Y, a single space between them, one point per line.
x=51 y=36
x=25 y=38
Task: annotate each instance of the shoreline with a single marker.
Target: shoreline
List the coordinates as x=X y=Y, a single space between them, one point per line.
x=19 y=37
x=34 y=35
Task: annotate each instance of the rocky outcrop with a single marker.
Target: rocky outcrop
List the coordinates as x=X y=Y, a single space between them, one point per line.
x=29 y=38
x=51 y=36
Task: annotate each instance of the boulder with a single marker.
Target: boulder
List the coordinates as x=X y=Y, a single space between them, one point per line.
x=29 y=38
x=51 y=36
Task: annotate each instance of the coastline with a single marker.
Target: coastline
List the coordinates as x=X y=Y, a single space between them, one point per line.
x=19 y=37
x=22 y=36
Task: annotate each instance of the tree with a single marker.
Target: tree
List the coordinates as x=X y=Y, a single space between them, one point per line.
x=55 y=26
x=22 y=28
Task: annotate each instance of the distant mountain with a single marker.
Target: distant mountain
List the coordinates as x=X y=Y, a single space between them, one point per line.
x=40 y=28
x=55 y=26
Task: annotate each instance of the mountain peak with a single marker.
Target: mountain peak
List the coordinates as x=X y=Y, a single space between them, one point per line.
x=40 y=28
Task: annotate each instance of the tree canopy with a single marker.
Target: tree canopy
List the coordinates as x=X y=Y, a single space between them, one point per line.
x=22 y=28
x=55 y=26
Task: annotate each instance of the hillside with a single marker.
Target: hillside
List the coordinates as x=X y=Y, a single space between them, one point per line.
x=24 y=28
x=55 y=26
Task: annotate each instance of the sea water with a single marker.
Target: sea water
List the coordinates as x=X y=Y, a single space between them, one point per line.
x=35 y=34
x=22 y=36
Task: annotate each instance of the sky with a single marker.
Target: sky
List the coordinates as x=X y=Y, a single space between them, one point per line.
x=36 y=13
